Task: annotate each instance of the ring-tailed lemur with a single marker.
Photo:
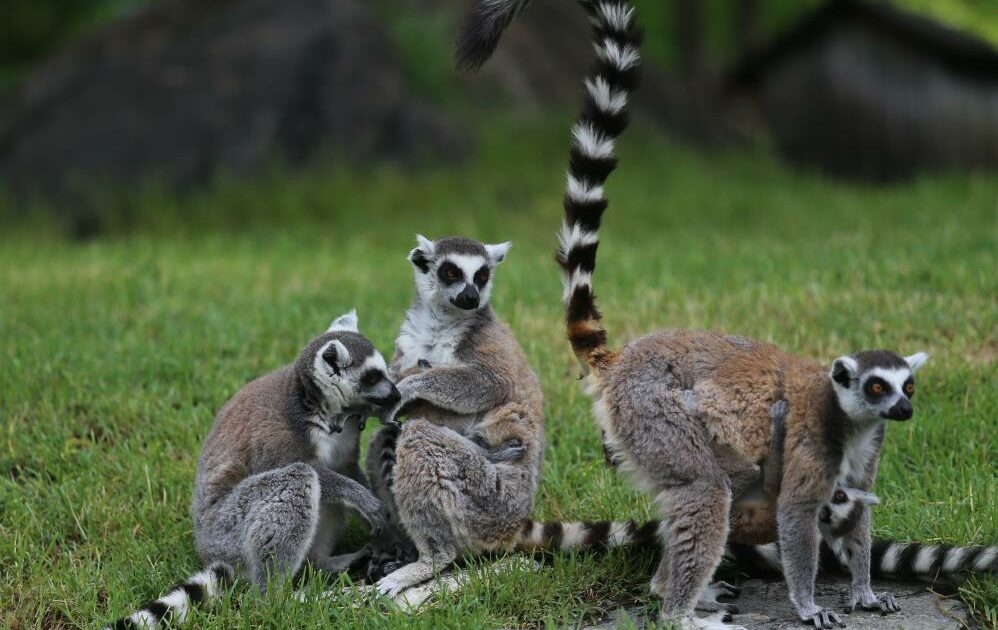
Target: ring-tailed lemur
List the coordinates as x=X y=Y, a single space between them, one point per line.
x=688 y=412
x=462 y=472
x=279 y=472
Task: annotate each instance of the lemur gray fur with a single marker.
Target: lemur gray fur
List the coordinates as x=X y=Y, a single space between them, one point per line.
x=688 y=412
x=279 y=472
x=461 y=474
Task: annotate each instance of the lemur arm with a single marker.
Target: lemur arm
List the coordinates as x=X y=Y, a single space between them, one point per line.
x=804 y=489
x=339 y=489
x=464 y=390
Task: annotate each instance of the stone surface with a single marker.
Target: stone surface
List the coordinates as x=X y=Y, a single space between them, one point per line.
x=764 y=605
x=184 y=89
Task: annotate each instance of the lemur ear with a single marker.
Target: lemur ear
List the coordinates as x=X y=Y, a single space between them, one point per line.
x=346 y=321
x=868 y=498
x=497 y=253
x=421 y=256
x=844 y=370
x=336 y=355
x=916 y=361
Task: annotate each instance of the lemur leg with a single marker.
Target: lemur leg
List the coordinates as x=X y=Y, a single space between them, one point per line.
x=697 y=516
x=693 y=497
x=447 y=491
x=280 y=512
x=858 y=544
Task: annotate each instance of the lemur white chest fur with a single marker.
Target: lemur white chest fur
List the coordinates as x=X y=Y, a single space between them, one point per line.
x=429 y=336
x=334 y=450
x=858 y=451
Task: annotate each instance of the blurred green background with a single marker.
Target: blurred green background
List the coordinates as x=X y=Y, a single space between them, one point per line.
x=131 y=309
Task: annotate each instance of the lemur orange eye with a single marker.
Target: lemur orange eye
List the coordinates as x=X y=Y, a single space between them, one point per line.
x=449 y=272
x=909 y=388
x=839 y=497
x=876 y=388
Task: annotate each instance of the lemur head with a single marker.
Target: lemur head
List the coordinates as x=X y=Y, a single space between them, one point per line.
x=454 y=273
x=876 y=384
x=341 y=371
x=841 y=514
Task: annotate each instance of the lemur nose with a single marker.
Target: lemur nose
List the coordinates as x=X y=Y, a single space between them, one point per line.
x=901 y=411
x=467 y=299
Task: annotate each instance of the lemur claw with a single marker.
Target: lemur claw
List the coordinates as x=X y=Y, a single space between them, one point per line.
x=825 y=618
x=885 y=604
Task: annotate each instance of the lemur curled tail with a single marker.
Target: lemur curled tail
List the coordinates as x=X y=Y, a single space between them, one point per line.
x=687 y=412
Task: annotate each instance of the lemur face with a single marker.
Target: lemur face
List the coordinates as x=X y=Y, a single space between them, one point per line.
x=876 y=384
x=841 y=514
x=455 y=273
x=347 y=370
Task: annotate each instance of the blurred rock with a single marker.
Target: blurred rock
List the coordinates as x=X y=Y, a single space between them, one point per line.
x=184 y=89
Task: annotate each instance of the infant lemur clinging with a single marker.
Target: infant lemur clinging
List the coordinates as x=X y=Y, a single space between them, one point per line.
x=462 y=473
x=279 y=472
x=688 y=412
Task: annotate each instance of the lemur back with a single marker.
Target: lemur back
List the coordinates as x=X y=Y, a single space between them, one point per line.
x=462 y=474
x=279 y=472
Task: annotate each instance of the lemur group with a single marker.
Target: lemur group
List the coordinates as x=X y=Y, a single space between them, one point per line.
x=747 y=451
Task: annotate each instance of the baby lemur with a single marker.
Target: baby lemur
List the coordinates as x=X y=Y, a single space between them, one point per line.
x=279 y=471
x=688 y=412
x=462 y=473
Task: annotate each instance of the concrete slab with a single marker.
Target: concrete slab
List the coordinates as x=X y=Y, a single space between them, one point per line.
x=764 y=605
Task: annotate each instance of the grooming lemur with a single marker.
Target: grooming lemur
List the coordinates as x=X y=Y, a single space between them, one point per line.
x=688 y=412
x=462 y=472
x=279 y=471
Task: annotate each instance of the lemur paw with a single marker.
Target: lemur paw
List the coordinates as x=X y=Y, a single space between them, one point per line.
x=885 y=604
x=389 y=587
x=824 y=618
x=708 y=599
x=512 y=450
x=719 y=621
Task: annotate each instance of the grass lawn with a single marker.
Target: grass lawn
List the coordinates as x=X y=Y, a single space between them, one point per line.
x=116 y=353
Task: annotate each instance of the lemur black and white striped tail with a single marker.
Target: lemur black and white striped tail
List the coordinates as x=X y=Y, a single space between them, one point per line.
x=204 y=587
x=567 y=535
x=888 y=559
x=604 y=117
x=614 y=76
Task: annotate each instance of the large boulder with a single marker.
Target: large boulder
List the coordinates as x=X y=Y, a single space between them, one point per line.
x=184 y=89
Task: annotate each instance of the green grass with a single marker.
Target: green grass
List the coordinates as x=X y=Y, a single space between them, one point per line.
x=116 y=353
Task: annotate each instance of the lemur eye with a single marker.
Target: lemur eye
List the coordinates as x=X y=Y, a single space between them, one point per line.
x=839 y=497
x=482 y=276
x=875 y=388
x=370 y=378
x=909 y=388
x=449 y=272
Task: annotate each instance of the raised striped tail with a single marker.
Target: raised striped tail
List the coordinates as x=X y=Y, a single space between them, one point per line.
x=604 y=117
x=204 y=587
x=567 y=535
x=614 y=76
